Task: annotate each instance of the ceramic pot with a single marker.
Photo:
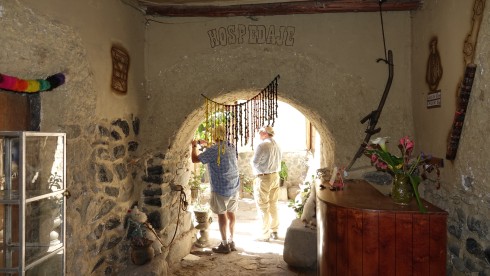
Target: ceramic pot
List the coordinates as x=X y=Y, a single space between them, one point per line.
x=141 y=255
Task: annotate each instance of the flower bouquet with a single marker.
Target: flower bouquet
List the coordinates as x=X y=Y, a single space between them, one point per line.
x=401 y=167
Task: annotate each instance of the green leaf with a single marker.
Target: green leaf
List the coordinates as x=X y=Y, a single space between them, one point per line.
x=415 y=180
x=391 y=160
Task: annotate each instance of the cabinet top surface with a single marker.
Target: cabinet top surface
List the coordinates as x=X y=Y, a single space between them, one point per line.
x=9 y=133
x=359 y=194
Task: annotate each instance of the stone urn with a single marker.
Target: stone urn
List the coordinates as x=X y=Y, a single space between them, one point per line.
x=203 y=220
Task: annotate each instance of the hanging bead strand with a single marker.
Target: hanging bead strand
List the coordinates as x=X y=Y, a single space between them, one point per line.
x=241 y=120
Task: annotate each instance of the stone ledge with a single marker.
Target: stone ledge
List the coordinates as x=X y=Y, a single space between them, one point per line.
x=300 y=245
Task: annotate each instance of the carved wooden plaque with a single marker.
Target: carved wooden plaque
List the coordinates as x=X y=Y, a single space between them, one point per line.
x=120 y=68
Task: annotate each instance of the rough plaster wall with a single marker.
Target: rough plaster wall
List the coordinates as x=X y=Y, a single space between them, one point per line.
x=101 y=24
x=36 y=45
x=465 y=183
x=334 y=88
x=326 y=75
x=330 y=75
x=47 y=48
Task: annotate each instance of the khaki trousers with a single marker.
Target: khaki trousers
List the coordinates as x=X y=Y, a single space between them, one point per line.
x=266 y=194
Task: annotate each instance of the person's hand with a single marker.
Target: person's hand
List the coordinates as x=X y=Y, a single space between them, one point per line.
x=194 y=143
x=203 y=143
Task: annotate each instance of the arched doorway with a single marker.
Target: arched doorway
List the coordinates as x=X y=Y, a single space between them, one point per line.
x=291 y=125
x=180 y=146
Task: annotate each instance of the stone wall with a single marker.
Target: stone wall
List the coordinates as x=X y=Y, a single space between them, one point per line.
x=122 y=176
x=107 y=167
x=324 y=74
x=465 y=181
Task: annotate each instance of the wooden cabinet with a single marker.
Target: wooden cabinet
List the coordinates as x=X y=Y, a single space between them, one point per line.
x=362 y=232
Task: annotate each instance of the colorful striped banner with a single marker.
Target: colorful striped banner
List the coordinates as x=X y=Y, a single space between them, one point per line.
x=31 y=86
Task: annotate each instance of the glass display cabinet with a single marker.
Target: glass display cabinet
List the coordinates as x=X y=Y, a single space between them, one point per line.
x=32 y=203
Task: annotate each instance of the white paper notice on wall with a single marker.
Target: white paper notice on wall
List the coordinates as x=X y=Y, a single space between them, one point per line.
x=434 y=99
x=334 y=176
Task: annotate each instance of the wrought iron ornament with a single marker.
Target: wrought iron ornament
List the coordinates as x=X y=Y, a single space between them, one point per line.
x=374 y=115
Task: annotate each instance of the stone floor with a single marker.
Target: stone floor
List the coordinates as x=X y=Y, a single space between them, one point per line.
x=251 y=258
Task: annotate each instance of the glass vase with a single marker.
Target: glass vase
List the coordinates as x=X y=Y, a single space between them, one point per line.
x=402 y=190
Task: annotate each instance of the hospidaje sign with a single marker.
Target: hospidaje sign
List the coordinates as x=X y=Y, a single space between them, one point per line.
x=251 y=34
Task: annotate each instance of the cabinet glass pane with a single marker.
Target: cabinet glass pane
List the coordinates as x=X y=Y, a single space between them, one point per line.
x=43 y=227
x=43 y=231
x=51 y=267
x=44 y=163
x=9 y=167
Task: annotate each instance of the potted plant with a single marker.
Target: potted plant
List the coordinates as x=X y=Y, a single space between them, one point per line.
x=246 y=186
x=298 y=203
x=283 y=173
x=198 y=185
x=195 y=183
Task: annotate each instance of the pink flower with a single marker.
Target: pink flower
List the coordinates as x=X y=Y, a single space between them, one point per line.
x=382 y=165
x=407 y=145
x=374 y=158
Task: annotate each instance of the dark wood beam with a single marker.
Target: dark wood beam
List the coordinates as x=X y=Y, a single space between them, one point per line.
x=282 y=8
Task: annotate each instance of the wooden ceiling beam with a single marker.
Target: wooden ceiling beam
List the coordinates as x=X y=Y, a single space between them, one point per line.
x=282 y=8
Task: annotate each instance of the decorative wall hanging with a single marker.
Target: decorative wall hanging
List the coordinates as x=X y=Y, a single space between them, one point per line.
x=31 y=86
x=463 y=93
x=464 y=97
x=241 y=120
x=120 y=69
x=433 y=75
x=434 y=66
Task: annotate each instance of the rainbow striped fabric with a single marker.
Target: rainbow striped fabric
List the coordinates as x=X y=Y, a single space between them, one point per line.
x=31 y=86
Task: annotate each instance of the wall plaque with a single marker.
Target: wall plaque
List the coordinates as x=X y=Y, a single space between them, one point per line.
x=434 y=99
x=120 y=69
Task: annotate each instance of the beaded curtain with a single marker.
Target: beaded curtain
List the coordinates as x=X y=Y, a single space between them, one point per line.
x=242 y=120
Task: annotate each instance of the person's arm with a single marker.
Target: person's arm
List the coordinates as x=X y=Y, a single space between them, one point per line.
x=194 y=156
x=257 y=159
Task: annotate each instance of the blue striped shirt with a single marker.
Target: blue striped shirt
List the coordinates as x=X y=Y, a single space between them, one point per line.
x=224 y=177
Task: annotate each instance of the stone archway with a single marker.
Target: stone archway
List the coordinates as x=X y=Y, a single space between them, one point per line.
x=185 y=133
x=180 y=145
x=328 y=96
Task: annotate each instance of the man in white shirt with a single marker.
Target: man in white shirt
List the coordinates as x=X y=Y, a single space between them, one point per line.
x=266 y=164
